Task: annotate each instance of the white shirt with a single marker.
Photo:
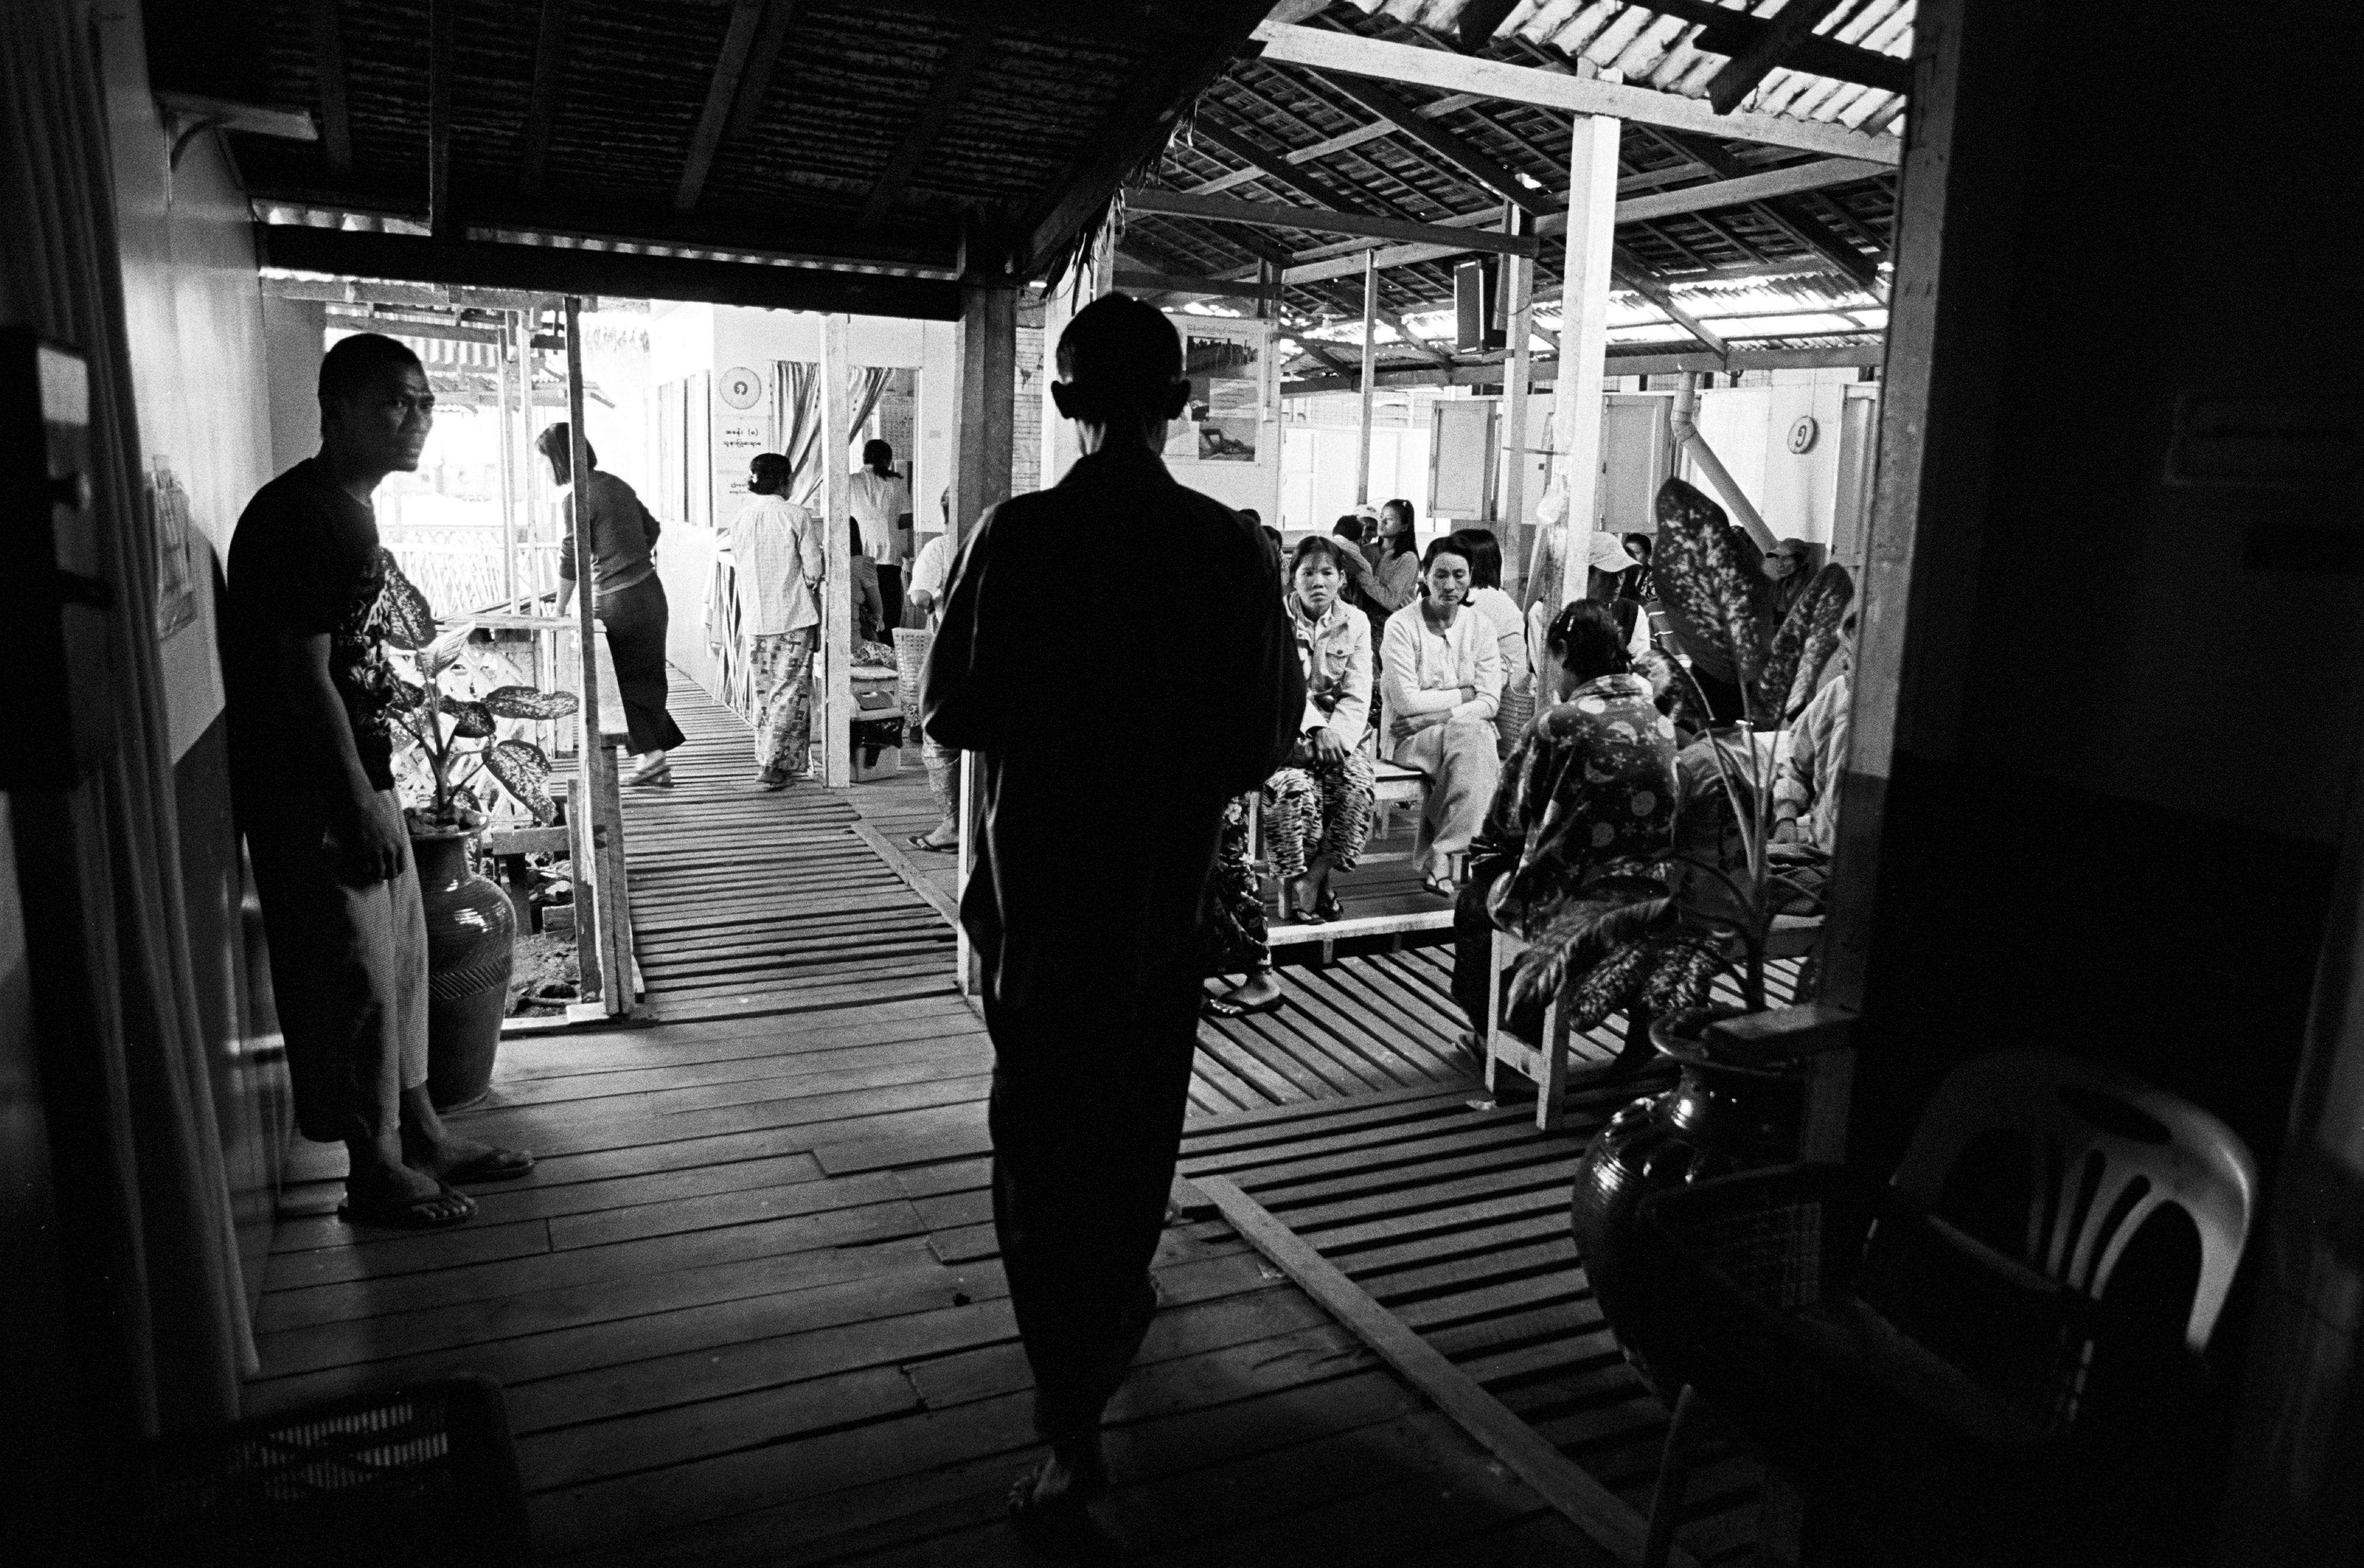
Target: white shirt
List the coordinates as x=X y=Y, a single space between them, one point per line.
x=932 y=570
x=1421 y=670
x=776 y=550
x=1501 y=613
x=877 y=500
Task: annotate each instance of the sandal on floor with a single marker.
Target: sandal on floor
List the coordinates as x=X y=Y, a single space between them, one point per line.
x=1224 y=1007
x=492 y=1165
x=1063 y=1531
x=1442 y=886
x=432 y=1211
x=919 y=842
x=656 y=778
x=1326 y=908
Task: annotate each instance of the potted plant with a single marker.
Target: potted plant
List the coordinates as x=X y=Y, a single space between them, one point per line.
x=451 y=715
x=1653 y=934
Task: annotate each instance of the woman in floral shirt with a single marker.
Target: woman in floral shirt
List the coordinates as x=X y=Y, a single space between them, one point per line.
x=1592 y=783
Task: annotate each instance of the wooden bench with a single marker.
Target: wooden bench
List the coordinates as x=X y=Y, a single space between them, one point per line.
x=1545 y=1065
x=1394 y=787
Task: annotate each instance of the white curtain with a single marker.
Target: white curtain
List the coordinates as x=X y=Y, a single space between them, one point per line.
x=795 y=386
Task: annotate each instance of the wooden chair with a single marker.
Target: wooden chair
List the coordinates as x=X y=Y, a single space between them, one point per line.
x=1545 y=1067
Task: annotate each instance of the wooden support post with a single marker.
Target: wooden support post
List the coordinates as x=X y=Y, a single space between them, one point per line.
x=1520 y=302
x=1369 y=375
x=837 y=548
x=986 y=364
x=603 y=940
x=1584 y=334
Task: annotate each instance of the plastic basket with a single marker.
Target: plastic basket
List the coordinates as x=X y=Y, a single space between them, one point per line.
x=912 y=664
x=424 y=1474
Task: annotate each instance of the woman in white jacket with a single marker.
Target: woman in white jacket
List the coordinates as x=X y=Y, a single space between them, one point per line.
x=1441 y=674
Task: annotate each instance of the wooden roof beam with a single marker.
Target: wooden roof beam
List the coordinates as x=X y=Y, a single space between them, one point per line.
x=968 y=57
x=1321 y=49
x=329 y=65
x=1729 y=32
x=1642 y=360
x=549 y=79
x=1133 y=133
x=1395 y=320
x=1800 y=224
x=1636 y=209
x=1790 y=27
x=722 y=95
x=1632 y=273
x=1271 y=165
x=1471 y=161
x=442 y=31
x=1279 y=215
x=770 y=39
x=1479 y=20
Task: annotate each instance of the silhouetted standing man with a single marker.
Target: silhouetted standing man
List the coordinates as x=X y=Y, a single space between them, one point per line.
x=1106 y=769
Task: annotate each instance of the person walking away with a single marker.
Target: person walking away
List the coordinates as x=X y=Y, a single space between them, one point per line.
x=869 y=608
x=1317 y=810
x=931 y=571
x=881 y=501
x=775 y=545
x=1500 y=611
x=1091 y=972
x=627 y=595
x=1441 y=670
x=311 y=742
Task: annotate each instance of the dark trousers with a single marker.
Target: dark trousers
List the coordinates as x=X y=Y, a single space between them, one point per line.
x=635 y=618
x=890 y=601
x=1088 y=1097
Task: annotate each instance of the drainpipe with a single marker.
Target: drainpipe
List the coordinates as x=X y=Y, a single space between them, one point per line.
x=1685 y=425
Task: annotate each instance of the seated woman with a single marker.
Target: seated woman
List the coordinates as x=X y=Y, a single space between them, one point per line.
x=1592 y=782
x=1317 y=810
x=1501 y=611
x=1440 y=672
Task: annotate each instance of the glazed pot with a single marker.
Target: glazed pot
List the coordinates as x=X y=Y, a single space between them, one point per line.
x=471 y=947
x=1721 y=1117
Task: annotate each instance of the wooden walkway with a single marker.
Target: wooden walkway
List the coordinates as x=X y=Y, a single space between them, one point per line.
x=748 y=1307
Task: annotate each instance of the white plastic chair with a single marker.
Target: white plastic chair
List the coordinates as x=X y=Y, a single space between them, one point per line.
x=2106 y=1151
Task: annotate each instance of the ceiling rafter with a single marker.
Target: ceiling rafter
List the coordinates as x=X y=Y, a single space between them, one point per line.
x=968 y=57
x=1784 y=32
x=721 y=93
x=756 y=84
x=1357 y=55
x=1726 y=31
x=329 y=65
x=442 y=31
x=549 y=82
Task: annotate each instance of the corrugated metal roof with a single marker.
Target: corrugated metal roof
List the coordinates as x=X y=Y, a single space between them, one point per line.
x=1653 y=49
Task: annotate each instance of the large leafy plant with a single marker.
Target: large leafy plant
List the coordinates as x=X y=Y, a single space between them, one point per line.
x=450 y=716
x=1656 y=931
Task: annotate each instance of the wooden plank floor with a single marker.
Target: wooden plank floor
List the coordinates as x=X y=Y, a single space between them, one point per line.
x=1451 y=1210
x=747 y=1307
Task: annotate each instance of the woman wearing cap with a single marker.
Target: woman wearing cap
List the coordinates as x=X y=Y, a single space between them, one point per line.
x=1791 y=565
x=1440 y=669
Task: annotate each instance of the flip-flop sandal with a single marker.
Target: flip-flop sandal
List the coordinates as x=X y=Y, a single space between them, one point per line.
x=1439 y=885
x=1063 y=1531
x=492 y=1165
x=1224 y=1007
x=919 y=842
x=1328 y=907
x=660 y=778
x=429 y=1212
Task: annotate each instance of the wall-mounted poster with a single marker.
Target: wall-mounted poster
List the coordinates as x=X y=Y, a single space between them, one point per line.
x=1225 y=416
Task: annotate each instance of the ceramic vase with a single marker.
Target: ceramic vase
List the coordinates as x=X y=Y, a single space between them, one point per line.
x=470 y=948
